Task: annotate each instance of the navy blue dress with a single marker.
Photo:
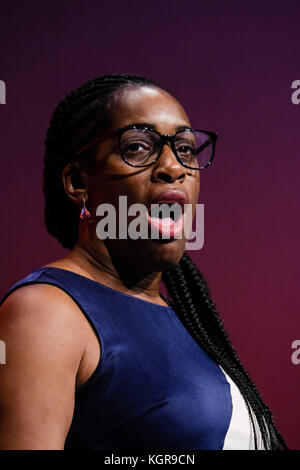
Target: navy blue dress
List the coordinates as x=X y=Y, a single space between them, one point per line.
x=154 y=388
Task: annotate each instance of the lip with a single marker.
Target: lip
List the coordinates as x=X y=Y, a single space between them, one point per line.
x=167 y=227
x=171 y=196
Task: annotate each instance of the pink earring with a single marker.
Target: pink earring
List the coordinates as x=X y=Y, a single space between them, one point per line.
x=85 y=213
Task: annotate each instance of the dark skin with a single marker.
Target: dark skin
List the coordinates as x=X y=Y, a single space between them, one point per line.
x=51 y=347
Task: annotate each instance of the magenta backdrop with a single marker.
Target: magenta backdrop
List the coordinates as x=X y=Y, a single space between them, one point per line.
x=231 y=64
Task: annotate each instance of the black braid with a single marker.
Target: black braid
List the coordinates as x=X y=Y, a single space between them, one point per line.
x=193 y=305
x=82 y=116
x=188 y=313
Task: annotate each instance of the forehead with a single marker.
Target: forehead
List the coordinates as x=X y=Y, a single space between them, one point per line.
x=150 y=105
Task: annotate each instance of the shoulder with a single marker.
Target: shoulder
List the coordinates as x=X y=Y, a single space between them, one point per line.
x=36 y=301
x=41 y=316
x=39 y=325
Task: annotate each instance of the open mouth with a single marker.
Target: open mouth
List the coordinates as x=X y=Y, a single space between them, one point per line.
x=166 y=220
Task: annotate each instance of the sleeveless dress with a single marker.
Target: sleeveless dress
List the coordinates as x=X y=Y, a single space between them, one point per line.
x=154 y=388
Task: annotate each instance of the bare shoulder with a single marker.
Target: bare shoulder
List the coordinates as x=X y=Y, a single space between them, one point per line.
x=40 y=327
x=41 y=310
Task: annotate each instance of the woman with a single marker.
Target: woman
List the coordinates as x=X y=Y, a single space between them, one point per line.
x=97 y=357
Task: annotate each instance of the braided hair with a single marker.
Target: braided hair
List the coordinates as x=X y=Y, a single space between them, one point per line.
x=192 y=302
x=82 y=116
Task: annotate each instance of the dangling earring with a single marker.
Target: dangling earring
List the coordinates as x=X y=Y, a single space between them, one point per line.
x=85 y=213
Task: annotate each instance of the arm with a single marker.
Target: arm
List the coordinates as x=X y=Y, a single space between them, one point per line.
x=39 y=325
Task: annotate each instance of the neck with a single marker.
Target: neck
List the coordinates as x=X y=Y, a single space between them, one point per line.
x=124 y=277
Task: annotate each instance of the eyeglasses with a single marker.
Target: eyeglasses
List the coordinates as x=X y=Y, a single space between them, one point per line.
x=141 y=146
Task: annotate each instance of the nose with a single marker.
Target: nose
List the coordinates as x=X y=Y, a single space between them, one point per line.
x=167 y=168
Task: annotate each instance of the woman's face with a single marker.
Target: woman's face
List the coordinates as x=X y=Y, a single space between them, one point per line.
x=110 y=177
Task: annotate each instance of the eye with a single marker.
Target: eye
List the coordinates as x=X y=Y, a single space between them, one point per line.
x=185 y=148
x=136 y=147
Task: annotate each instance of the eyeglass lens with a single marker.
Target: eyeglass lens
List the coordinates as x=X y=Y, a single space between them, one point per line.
x=140 y=147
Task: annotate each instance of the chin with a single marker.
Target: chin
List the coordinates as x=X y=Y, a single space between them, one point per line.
x=165 y=254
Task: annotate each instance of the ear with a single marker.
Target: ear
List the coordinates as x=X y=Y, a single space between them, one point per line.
x=75 y=182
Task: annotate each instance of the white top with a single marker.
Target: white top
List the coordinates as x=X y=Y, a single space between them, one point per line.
x=240 y=434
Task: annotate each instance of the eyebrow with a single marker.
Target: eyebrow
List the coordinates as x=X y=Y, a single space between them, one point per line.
x=153 y=126
x=182 y=128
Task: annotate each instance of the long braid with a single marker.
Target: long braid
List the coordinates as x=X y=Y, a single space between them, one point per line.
x=187 y=312
x=212 y=320
x=204 y=301
x=225 y=339
x=193 y=305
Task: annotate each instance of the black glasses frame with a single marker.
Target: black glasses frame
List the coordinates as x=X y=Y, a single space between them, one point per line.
x=164 y=138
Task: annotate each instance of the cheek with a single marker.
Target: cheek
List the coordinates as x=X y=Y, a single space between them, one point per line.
x=115 y=168
x=118 y=179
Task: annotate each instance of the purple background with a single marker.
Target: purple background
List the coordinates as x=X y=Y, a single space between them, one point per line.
x=231 y=64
